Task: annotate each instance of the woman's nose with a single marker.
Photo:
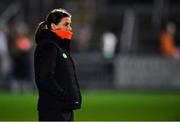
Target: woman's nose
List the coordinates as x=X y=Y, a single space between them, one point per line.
x=69 y=28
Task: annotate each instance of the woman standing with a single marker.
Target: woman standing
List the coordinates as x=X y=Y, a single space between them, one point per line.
x=55 y=74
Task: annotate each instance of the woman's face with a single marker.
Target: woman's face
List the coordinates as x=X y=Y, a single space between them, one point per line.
x=64 y=24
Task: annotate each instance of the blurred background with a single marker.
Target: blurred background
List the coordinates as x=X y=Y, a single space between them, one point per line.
x=127 y=54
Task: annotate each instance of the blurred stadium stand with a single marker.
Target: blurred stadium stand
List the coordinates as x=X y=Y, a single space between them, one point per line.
x=136 y=23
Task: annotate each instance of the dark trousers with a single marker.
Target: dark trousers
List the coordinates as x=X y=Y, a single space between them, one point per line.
x=45 y=115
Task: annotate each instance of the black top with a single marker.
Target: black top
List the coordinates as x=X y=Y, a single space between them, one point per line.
x=55 y=74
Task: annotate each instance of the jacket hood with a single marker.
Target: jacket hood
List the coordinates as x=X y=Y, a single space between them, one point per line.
x=46 y=35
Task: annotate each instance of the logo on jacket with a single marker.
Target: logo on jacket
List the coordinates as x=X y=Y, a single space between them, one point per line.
x=64 y=55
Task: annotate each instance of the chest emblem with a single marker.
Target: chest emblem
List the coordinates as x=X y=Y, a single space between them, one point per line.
x=64 y=55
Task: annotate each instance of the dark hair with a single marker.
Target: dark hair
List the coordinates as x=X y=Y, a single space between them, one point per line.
x=55 y=17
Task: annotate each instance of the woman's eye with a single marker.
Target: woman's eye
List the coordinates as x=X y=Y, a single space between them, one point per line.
x=66 y=24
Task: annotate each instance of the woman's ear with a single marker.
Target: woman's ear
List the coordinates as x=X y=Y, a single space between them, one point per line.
x=53 y=26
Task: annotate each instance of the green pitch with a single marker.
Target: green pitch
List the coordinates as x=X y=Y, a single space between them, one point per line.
x=109 y=105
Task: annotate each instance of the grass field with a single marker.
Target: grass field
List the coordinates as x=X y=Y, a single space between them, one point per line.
x=108 y=105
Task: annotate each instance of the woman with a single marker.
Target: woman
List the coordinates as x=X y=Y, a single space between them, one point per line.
x=55 y=75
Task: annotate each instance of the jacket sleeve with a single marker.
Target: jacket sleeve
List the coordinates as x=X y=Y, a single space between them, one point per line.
x=47 y=65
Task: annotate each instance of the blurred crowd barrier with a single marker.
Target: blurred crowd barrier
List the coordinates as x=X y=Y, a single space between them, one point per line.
x=147 y=72
x=128 y=72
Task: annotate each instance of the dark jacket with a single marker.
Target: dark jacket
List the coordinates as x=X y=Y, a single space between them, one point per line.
x=55 y=74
